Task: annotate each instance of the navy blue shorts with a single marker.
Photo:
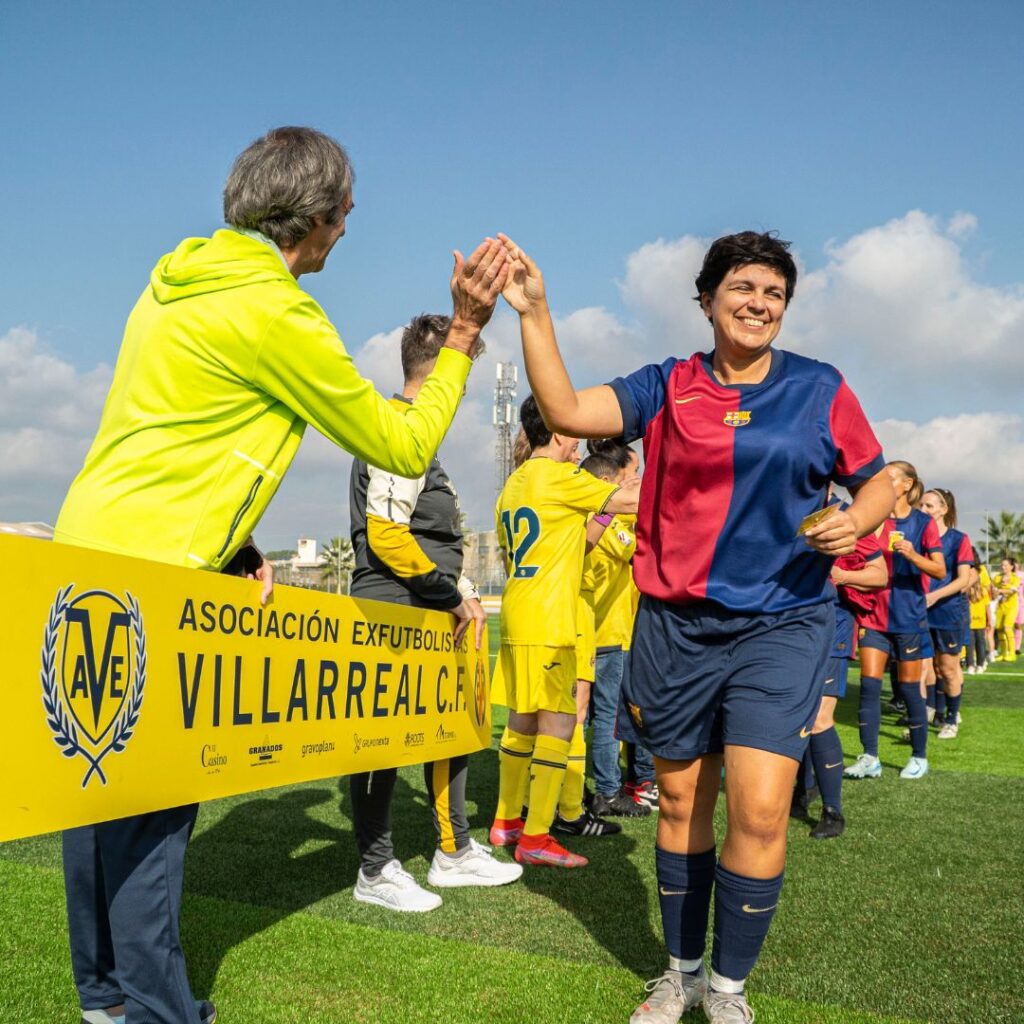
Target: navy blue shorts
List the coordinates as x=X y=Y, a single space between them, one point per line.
x=901 y=646
x=947 y=641
x=701 y=676
x=835 y=677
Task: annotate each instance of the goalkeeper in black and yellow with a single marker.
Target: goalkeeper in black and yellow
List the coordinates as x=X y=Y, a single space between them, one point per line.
x=224 y=361
x=408 y=546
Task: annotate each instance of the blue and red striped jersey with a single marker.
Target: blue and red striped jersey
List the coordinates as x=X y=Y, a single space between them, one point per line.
x=850 y=602
x=950 y=612
x=900 y=608
x=730 y=472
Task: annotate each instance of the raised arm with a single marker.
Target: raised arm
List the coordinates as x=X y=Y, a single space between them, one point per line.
x=303 y=364
x=592 y=412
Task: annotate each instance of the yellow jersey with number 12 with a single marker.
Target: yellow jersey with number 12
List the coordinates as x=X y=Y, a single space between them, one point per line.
x=541 y=519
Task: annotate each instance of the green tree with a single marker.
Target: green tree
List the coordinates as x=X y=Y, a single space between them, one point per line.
x=338 y=562
x=1004 y=535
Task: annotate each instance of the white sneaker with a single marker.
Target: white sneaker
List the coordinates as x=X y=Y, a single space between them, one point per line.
x=867 y=766
x=917 y=768
x=475 y=866
x=948 y=732
x=395 y=889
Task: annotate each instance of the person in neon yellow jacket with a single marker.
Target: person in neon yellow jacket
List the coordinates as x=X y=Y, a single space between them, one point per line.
x=224 y=361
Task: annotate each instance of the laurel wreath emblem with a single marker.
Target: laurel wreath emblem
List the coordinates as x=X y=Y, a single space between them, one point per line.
x=62 y=725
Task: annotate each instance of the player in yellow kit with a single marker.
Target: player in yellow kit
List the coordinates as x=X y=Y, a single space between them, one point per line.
x=1006 y=585
x=574 y=818
x=541 y=517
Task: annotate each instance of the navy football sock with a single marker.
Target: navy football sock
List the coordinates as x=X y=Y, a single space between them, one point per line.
x=918 y=716
x=744 y=908
x=870 y=713
x=827 y=754
x=953 y=708
x=940 y=699
x=930 y=698
x=684 y=889
x=805 y=773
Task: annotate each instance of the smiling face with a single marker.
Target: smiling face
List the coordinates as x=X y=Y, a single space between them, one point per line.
x=746 y=309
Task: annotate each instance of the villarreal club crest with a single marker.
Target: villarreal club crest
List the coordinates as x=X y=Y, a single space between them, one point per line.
x=93 y=673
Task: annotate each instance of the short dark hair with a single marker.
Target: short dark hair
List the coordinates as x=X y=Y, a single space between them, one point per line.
x=731 y=251
x=284 y=181
x=613 y=448
x=422 y=339
x=534 y=427
x=600 y=466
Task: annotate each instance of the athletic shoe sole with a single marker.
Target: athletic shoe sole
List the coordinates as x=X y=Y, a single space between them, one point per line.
x=549 y=859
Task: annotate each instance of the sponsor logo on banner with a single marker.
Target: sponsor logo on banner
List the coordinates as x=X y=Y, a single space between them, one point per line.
x=265 y=753
x=480 y=692
x=366 y=742
x=414 y=739
x=211 y=759
x=443 y=735
x=315 y=749
x=736 y=418
x=93 y=674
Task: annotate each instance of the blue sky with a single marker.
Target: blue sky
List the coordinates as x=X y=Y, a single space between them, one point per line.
x=587 y=131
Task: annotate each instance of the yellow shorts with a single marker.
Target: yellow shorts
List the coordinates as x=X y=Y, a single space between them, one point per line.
x=531 y=678
x=586 y=642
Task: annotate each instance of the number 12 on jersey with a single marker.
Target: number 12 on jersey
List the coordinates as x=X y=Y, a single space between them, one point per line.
x=522 y=531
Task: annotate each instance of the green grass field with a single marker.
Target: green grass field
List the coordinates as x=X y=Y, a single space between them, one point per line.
x=914 y=915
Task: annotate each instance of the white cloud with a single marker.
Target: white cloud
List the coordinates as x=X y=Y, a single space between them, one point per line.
x=933 y=353
x=48 y=415
x=978 y=457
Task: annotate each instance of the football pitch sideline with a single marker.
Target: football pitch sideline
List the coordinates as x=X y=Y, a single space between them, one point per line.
x=913 y=916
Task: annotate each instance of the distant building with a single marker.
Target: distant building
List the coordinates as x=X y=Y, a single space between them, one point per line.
x=305 y=568
x=484 y=562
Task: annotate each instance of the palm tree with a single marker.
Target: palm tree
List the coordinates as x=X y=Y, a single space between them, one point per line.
x=1005 y=534
x=338 y=561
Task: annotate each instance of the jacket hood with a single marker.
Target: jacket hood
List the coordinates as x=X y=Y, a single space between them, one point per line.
x=227 y=260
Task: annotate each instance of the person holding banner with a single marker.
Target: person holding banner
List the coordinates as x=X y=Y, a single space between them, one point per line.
x=224 y=361
x=408 y=545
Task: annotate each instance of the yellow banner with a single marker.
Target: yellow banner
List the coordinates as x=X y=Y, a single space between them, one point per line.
x=131 y=686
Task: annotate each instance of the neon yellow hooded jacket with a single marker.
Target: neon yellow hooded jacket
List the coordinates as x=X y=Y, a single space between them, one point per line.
x=224 y=361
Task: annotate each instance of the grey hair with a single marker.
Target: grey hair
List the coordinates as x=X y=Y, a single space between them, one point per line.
x=284 y=181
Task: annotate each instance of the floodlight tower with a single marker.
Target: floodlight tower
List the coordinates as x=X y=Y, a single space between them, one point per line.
x=506 y=419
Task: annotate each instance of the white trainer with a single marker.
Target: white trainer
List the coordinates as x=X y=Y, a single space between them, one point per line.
x=948 y=732
x=917 y=768
x=867 y=766
x=475 y=866
x=395 y=889
x=669 y=997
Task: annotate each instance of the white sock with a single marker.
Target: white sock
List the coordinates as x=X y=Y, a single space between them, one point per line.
x=685 y=966
x=730 y=985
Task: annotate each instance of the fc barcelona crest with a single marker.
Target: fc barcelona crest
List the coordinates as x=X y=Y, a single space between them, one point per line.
x=737 y=418
x=93 y=674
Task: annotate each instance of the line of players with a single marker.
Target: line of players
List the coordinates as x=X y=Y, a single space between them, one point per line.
x=913 y=598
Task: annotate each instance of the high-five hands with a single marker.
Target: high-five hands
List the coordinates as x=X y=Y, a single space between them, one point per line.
x=476 y=284
x=524 y=286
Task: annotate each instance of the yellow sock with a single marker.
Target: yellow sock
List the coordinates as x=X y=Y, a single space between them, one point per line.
x=1009 y=650
x=547 y=770
x=570 y=804
x=514 y=753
